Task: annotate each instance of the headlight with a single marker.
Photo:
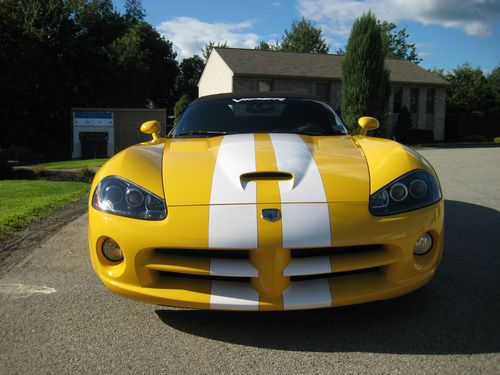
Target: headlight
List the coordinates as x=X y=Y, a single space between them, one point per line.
x=411 y=191
x=121 y=197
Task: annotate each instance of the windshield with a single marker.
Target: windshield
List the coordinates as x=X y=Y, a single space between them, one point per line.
x=258 y=115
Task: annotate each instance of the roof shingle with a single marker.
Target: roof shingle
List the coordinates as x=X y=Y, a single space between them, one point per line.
x=250 y=62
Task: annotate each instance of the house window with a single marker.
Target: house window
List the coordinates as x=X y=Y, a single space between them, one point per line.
x=266 y=85
x=323 y=90
x=414 y=100
x=429 y=101
x=398 y=99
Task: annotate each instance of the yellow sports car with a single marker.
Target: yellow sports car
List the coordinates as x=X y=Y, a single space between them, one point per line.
x=264 y=202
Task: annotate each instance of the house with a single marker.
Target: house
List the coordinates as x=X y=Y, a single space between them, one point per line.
x=241 y=70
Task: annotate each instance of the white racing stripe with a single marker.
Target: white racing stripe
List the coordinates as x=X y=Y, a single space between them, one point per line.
x=304 y=225
x=232 y=217
x=308 y=266
x=236 y=156
x=232 y=268
x=227 y=295
x=293 y=156
x=308 y=294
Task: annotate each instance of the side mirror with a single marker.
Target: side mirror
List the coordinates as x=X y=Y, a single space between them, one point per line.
x=152 y=127
x=368 y=123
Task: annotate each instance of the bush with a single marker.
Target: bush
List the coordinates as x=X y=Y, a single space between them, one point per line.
x=415 y=136
x=179 y=107
x=4 y=165
x=23 y=154
x=474 y=138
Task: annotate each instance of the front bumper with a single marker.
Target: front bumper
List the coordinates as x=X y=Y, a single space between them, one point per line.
x=169 y=262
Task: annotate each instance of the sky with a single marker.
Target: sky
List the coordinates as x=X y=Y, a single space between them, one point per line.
x=447 y=33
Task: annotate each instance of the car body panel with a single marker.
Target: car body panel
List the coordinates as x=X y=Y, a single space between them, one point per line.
x=212 y=210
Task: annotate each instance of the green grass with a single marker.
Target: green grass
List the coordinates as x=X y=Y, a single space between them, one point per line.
x=72 y=164
x=23 y=201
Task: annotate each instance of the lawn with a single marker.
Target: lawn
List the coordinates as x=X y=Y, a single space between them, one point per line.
x=22 y=201
x=72 y=164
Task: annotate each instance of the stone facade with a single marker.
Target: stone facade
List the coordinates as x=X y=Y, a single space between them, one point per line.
x=420 y=119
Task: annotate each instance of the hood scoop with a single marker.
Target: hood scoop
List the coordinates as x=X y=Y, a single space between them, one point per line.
x=260 y=176
x=245 y=178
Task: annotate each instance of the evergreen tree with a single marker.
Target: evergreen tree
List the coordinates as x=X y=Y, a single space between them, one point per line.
x=134 y=12
x=365 y=82
x=304 y=37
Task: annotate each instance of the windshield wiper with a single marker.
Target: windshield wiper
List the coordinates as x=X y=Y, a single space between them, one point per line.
x=208 y=133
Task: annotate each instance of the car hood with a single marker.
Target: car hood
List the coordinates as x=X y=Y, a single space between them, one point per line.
x=264 y=168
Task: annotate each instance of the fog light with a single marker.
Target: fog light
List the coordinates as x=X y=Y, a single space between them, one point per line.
x=423 y=244
x=111 y=250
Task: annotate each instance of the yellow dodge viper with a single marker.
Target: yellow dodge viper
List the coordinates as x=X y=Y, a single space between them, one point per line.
x=264 y=202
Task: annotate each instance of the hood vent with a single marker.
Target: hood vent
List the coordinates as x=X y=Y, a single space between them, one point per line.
x=260 y=176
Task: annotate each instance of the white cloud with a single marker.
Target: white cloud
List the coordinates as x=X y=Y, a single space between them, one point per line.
x=189 y=35
x=474 y=17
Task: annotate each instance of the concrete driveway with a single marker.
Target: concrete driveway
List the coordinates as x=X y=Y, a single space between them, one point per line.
x=56 y=317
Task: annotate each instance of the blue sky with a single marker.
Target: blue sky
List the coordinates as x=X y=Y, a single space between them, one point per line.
x=447 y=32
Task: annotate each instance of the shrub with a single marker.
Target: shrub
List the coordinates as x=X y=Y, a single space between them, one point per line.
x=23 y=154
x=474 y=138
x=415 y=136
x=179 y=107
x=4 y=165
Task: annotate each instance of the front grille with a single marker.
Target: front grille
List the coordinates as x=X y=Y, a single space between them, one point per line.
x=334 y=275
x=206 y=253
x=338 y=250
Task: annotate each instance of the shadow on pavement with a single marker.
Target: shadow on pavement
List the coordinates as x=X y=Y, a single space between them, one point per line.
x=458 y=312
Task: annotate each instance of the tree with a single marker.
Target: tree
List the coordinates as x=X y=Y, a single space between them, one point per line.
x=467 y=91
x=493 y=86
x=304 y=37
x=207 y=50
x=58 y=54
x=365 y=82
x=265 y=46
x=134 y=12
x=146 y=65
x=395 y=43
x=190 y=73
x=179 y=107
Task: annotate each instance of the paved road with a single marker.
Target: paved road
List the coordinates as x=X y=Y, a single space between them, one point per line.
x=56 y=317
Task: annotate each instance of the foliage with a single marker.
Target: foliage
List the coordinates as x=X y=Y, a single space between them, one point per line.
x=304 y=37
x=148 y=63
x=134 y=12
x=4 y=165
x=395 y=42
x=365 y=82
x=190 y=73
x=469 y=91
x=58 y=54
x=474 y=138
x=181 y=104
x=265 y=46
x=207 y=50
x=23 y=201
x=493 y=88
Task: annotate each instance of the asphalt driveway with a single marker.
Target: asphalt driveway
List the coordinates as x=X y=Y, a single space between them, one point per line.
x=56 y=317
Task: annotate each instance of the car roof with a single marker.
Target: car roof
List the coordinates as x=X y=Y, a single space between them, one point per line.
x=258 y=94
